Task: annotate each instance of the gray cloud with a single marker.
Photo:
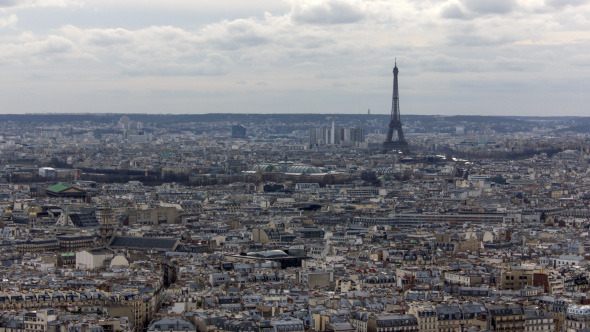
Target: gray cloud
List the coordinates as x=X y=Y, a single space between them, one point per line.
x=474 y=37
x=447 y=64
x=38 y=3
x=515 y=64
x=452 y=11
x=171 y=93
x=327 y=12
x=213 y=64
x=579 y=60
x=11 y=3
x=490 y=6
x=565 y=3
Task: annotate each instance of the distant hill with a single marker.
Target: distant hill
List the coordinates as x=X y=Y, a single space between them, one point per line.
x=582 y=129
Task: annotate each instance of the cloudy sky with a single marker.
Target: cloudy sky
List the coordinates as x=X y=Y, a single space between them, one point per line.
x=505 y=57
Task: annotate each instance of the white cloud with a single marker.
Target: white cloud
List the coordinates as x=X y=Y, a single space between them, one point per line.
x=109 y=37
x=8 y=21
x=41 y=52
x=236 y=34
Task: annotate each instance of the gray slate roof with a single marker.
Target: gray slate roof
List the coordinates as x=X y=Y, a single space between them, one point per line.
x=144 y=243
x=84 y=220
x=171 y=324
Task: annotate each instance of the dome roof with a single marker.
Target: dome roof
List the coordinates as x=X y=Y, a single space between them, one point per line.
x=268 y=253
x=263 y=168
x=303 y=169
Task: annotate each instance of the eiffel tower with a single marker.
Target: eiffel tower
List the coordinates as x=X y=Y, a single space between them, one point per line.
x=395 y=123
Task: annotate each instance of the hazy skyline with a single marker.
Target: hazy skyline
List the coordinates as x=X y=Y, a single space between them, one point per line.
x=500 y=57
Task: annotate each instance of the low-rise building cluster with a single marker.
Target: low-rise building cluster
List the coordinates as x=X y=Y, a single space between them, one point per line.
x=273 y=236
